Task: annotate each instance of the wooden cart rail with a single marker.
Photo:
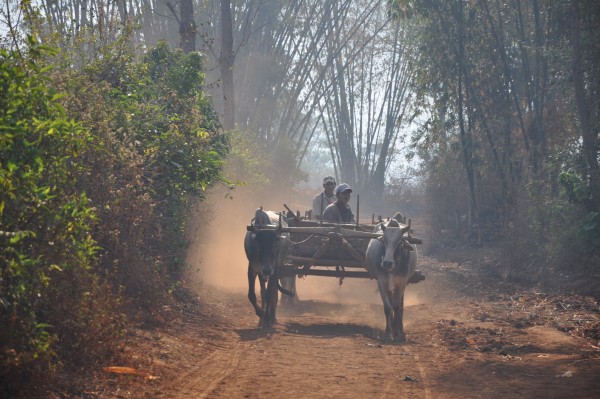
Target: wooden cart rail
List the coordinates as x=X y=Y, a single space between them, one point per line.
x=323 y=230
x=294 y=270
x=326 y=249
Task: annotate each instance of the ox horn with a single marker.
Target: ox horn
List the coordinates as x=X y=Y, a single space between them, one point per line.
x=405 y=229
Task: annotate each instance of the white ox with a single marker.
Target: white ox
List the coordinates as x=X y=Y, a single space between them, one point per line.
x=392 y=259
x=266 y=248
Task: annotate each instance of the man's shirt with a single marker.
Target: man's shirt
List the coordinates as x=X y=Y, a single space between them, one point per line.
x=316 y=205
x=338 y=213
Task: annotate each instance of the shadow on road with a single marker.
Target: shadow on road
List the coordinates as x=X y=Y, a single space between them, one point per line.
x=252 y=334
x=332 y=330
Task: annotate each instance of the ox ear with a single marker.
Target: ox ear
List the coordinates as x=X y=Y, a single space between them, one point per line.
x=405 y=229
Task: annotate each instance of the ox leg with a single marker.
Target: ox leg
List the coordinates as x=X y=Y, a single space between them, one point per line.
x=271 y=299
x=274 y=299
x=398 y=325
x=263 y=301
x=252 y=293
x=383 y=284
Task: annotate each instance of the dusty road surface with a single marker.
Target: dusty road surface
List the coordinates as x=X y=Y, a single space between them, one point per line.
x=467 y=338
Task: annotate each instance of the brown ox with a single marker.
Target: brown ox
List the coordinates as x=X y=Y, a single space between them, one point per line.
x=392 y=259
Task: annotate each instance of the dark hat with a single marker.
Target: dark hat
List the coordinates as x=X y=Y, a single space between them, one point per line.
x=342 y=188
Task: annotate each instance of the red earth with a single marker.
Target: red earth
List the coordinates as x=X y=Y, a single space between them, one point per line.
x=470 y=335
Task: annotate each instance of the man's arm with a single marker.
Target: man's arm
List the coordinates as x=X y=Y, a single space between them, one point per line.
x=331 y=214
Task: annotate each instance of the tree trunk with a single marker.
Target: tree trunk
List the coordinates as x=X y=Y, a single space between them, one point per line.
x=226 y=65
x=187 y=27
x=465 y=136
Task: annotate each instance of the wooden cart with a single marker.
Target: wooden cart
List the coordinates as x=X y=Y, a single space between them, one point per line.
x=331 y=250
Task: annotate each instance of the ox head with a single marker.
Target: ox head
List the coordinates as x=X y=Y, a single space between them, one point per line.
x=265 y=243
x=269 y=244
x=396 y=246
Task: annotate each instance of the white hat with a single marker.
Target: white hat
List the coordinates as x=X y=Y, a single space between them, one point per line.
x=342 y=188
x=328 y=179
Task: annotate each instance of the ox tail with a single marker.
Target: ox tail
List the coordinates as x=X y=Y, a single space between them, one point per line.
x=284 y=291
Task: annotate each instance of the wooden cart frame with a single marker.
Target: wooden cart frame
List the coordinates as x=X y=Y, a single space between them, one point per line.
x=330 y=250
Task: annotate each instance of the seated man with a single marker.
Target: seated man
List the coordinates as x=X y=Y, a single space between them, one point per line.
x=323 y=199
x=339 y=211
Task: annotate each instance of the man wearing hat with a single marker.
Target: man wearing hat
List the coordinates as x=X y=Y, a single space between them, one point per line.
x=325 y=198
x=339 y=211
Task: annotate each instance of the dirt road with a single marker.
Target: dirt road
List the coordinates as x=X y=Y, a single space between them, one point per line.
x=467 y=338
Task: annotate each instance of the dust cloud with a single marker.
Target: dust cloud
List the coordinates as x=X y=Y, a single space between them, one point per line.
x=216 y=254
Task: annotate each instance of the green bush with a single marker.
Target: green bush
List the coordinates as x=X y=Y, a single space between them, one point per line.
x=98 y=167
x=157 y=147
x=45 y=221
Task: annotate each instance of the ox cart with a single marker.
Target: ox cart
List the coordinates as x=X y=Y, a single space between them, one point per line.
x=332 y=250
x=301 y=247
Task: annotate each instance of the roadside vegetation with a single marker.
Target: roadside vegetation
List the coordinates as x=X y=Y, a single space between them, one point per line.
x=98 y=167
x=510 y=147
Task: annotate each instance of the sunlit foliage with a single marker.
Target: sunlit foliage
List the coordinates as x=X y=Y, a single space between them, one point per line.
x=98 y=166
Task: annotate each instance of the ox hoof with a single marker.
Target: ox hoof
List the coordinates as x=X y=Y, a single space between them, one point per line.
x=387 y=339
x=401 y=338
x=266 y=324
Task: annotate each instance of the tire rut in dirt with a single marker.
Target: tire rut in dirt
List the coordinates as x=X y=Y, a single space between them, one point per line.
x=203 y=379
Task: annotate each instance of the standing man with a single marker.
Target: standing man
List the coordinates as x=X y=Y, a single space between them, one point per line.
x=339 y=211
x=325 y=198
